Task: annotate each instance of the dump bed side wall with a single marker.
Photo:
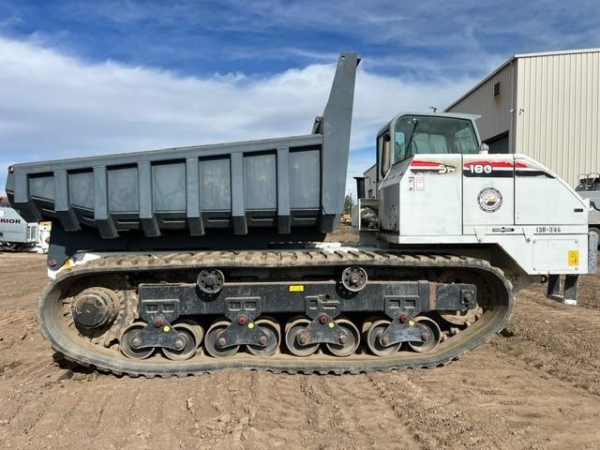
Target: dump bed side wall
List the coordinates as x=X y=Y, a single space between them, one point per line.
x=276 y=183
x=240 y=187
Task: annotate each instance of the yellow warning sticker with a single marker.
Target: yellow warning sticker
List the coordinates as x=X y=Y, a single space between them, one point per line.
x=297 y=288
x=573 y=257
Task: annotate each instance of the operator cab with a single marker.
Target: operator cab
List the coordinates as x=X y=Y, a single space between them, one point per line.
x=420 y=161
x=409 y=134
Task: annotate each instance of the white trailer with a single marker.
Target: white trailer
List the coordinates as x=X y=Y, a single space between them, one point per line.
x=15 y=232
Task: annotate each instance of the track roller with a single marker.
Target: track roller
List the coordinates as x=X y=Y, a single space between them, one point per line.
x=215 y=344
x=187 y=342
x=273 y=331
x=373 y=337
x=294 y=338
x=195 y=328
x=431 y=335
x=351 y=340
x=129 y=343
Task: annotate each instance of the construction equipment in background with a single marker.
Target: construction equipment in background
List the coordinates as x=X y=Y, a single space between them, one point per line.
x=365 y=213
x=589 y=188
x=15 y=233
x=191 y=260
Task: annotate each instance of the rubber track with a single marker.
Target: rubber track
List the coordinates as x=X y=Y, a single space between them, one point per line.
x=81 y=352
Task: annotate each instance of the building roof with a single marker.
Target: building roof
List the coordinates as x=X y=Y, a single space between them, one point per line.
x=369 y=169
x=515 y=57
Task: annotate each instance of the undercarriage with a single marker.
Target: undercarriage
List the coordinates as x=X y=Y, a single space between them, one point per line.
x=295 y=311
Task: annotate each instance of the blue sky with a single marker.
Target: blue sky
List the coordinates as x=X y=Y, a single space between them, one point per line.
x=85 y=78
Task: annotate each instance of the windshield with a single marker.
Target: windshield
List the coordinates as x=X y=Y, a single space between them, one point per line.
x=414 y=135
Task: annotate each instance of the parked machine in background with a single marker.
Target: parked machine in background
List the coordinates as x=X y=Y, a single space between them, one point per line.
x=196 y=259
x=15 y=233
x=589 y=188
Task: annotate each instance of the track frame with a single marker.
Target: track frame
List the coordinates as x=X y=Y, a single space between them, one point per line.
x=105 y=359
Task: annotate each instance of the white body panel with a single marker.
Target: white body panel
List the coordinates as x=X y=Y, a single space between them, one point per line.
x=507 y=200
x=426 y=194
x=542 y=200
x=478 y=180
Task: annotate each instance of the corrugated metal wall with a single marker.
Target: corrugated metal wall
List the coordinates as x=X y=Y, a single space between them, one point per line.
x=558 y=120
x=371 y=182
x=495 y=111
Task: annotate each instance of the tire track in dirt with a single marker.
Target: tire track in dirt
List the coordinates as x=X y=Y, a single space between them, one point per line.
x=279 y=412
x=115 y=413
x=28 y=372
x=22 y=277
x=322 y=412
x=82 y=421
x=16 y=317
x=18 y=330
x=486 y=401
x=62 y=417
x=118 y=415
x=560 y=341
x=23 y=354
x=367 y=409
x=220 y=409
x=30 y=406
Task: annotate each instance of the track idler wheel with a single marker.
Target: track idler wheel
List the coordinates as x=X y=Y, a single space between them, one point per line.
x=215 y=343
x=374 y=338
x=296 y=341
x=271 y=328
x=350 y=341
x=189 y=337
x=95 y=308
x=431 y=335
x=130 y=342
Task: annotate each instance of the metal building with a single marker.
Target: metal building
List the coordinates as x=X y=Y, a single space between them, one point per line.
x=545 y=105
x=371 y=182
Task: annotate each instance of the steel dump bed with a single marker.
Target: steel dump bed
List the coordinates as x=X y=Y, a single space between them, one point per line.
x=278 y=185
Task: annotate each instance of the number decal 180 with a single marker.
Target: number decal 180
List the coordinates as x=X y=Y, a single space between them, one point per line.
x=480 y=168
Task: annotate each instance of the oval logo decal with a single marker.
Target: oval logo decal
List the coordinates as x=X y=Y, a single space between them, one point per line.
x=490 y=200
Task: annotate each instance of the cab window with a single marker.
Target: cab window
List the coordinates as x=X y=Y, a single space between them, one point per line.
x=428 y=135
x=399 y=146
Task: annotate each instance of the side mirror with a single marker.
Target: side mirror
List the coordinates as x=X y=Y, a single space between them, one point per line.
x=484 y=149
x=386 y=154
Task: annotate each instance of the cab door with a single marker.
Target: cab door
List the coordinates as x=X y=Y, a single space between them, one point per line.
x=430 y=196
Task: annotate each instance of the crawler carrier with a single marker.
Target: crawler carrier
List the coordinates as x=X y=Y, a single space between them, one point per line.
x=191 y=260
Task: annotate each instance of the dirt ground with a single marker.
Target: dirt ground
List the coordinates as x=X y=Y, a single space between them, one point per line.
x=535 y=386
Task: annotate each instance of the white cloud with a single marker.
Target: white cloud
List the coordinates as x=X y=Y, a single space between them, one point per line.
x=469 y=30
x=56 y=106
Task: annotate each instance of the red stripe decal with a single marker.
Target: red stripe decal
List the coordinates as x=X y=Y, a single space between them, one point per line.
x=416 y=163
